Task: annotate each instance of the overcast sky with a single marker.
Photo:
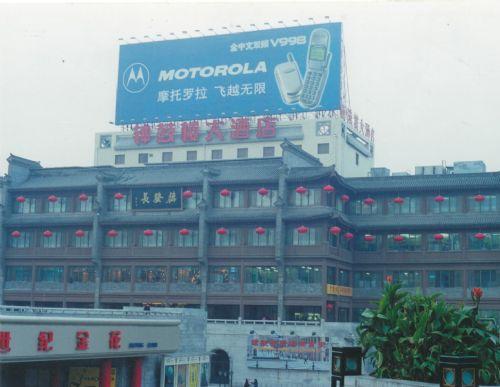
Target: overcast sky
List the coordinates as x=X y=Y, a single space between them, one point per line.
x=426 y=75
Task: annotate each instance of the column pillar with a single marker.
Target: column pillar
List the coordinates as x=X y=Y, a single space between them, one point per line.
x=105 y=376
x=97 y=240
x=203 y=238
x=137 y=373
x=280 y=240
x=3 y=237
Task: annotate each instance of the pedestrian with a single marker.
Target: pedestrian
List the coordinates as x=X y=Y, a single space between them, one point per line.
x=247 y=383
x=255 y=383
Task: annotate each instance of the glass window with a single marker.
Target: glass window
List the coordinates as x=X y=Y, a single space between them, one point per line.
x=61 y=205
x=450 y=242
x=361 y=244
x=268 y=151
x=310 y=238
x=233 y=200
x=411 y=205
x=24 y=241
x=119 y=205
x=193 y=201
x=143 y=158
x=444 y=279
x=489 y=204
x=303 y=274
x=310 y=198
x=151 y=274
x=116 y=274
x=356 y=314
x=344 y=278
x=85 y=205
x=190 y=240
x=303 y=313
x=49 y=274
x=242 y=153
x=216 y=154
x=186 y=274
x=491 y=241
x=105 y=141
x=119 y=159
x=232 y=237
x=27 y=207
x=84 y=241
x=410 y=242
x=154 y=240
x=265 y=239
x=54 y=241
x=484 y=278
x=19 y=273
x=261 y=275
x=323 y=148
x=191 y=155
x=258 y=200
x=224 y=274
x=121 y=240
x=408 y=279
x=449 y=204
x=367 y=279
x=358 y=207
x=167 y=157
x=343 y=315
x=82 y=274
x=330 y=275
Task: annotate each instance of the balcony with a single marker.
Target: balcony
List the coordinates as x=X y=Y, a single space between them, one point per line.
x=116 y=287
x=224 y=288
x=80 y=287
x=304 y=289
x=150 y=287
x=457 y=292
x=46 y=286
x=250 y=288
x=367 y=292
x=184 y=288
x=18 y=285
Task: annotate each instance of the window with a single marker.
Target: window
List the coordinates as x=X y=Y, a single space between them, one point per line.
x=359 y=207
x=121 y=240
x=85 y=205
x=50 y=274
x=444 y=279
x=105 y=142
x=309 y=238
x=411 y=205
x=410 y=242
x=193 y=201
x=268 y=151
x=367 y=279
x=242 y=153
x=232 y=237
x=234 y=200
x=489 y=204
x=330 y=275
x=323 y=128
x=52 y=242
x=81 y=274
x=143 y=158
x=357 y=158
x=191 y=155
x=310 y=198
x=19 y=273
x=265 y=239
x=216 y=154
x=261 y=275
x=224 y=274
x=154 y=240
x=27 y=207
x=484 y=278
x=257 y=200
x=84 y=241
x=24 y=241
x=119 y=159
x=490 y=242
x=186 y=275
x=167 y=157
x=343 y=315
x=303 y=274
x=344 y=278
x=151 y=274
x=450 y=242
x=303 y=313
x=190 y=240
x=407 y=279
x=449 y=204
x=360 y=244
x=356 y=314
x=58 y=206
x=119 y=205
x=323 y=149
x=116 y=274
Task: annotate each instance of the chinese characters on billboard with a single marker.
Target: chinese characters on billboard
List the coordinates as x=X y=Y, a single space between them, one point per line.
x=157 y=198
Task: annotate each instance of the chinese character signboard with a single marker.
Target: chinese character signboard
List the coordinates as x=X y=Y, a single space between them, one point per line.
x=339 y=290
x=88 y=377
x=282 y=70
x=185 y=371
x=288 y=352
x=157 y=199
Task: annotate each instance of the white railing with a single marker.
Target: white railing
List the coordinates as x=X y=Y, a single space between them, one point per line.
x=265 y=322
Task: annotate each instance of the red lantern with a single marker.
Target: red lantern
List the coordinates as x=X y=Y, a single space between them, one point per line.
x=345 y=198
x=221 y=231
x=398 y=238
x=439 y=199
x=369 y=201
x=184 y=231
x=398 y=200
x=225 y=192
x=328 y=188
x=47 y=233
x=20 y=199
x=263 y=191
x=348 y=235
x=80 y=233
x=52 y=198
x=302 y=229
x=260 y=230
x=15 y=234
x=83 y=197
x=112 y=233
x=148 y=232
x=438 y=237
x=301 y=190
x=479 y=198
x=335 y=230
x=187 y=194
x=119 y=196
x=369 y=238
x=329 y=306
x=480 y=236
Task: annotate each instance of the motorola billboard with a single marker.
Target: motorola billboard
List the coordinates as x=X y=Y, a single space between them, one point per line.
x=283 y=70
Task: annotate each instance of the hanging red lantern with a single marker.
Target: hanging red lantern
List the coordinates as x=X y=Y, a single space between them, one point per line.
x=398 y=200
x=302 y=229
x=479 y=198
x=263 y=191
x=47 y=233
x=148 y=232
x=398 y=238
x=184 y=231
x=328 y=188
x=15 y=234
x=480 y=236
x=301 y=190
x=187 y=194
x=20 y=199
x=260 y=230
x=369 y=201
x=221 y=231
x=52 y=198
x=439 y=199
x=83 y=197
x=112 y=233
x=119 y=196
x=335 y=230
x=80 y=233
x=369 y=238
x=225 y=192
x=345 y=198
x=348 y=235
x=438 y=237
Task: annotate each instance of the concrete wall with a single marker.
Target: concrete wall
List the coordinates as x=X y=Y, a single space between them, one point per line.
x=368 y=381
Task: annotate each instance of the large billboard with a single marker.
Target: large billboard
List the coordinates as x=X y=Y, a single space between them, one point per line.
x=283 y=70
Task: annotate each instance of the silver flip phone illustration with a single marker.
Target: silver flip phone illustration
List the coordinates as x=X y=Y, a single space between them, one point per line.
x=289 y=80
x=318 y=60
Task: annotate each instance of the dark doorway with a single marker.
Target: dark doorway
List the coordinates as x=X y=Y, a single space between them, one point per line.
x=219 y=367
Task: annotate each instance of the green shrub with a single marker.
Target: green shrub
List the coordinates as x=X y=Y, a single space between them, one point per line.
x=405 y=335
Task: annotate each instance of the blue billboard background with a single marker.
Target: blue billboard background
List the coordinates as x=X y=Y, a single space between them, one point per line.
x=284 y=70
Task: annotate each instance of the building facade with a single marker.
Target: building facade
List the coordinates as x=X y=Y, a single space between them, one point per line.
x=273 y=238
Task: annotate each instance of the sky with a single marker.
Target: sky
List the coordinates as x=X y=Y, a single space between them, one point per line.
x=424 y=74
